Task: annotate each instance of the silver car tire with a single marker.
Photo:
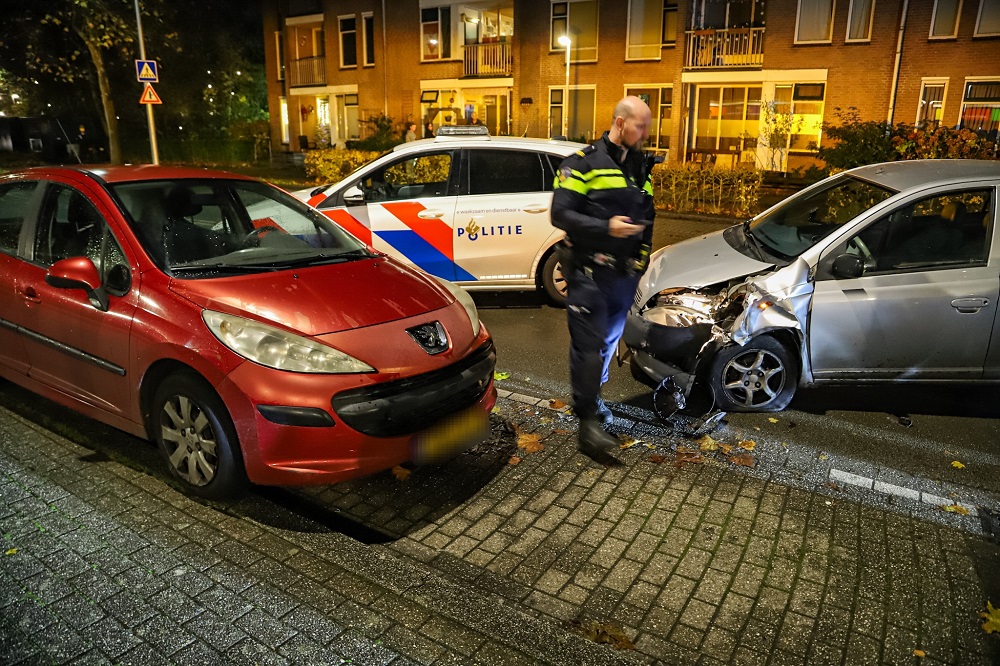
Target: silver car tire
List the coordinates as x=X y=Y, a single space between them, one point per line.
x=197 y=439
x=553 y=280
x=760 y=376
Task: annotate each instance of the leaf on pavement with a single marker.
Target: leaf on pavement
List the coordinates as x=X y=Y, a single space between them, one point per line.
x=400 y=473
x=919 y=653
x=561 y=431
x=495 y=410
x=706 y=443
x=726 y=448
x=530 y=442
x=514 y=460
x=500 y=376
x=743 y=460
x=772 y=420
x=657 y=459
x=607 y=633
x=10 y=551
x=628 y=442
x=688 y=457
x=685 y=449
x=956 y=508
x=556 y=404
x=992 y=617
x=957 y=465
x=747 y=444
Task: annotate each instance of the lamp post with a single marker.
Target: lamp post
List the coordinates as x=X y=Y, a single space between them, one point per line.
x=565 y=41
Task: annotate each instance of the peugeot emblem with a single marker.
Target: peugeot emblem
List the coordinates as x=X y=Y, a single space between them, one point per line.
x=431 y=337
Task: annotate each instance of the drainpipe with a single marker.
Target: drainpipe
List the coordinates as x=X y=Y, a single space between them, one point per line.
x=385 y=69
x=899 y=58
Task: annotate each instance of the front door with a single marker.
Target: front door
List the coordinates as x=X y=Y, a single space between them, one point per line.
x=925 y=304
x=17 y=201
x=73 y=346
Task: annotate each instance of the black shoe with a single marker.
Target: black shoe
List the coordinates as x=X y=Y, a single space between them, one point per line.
x=594 y=441
x=604 y=414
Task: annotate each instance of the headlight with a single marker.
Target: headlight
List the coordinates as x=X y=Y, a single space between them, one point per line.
x=463 y=297
x=278 y=349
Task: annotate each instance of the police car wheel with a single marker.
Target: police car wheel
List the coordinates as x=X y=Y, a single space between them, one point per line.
x=760 y=376
x=553 y=280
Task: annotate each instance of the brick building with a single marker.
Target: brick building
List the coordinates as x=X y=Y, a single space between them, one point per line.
x=727 y=80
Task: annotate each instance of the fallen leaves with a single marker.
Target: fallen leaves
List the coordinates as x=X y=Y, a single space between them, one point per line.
x=530 y=442
x=10 y=551
x=737 y=454
x=919 y=653
x=772 y=419
x=401 y=473
x=743 y=460
x=556 y=404
x=628 y=442
x=956 y=508
x=747 y=444
x=707 y=444
x=500 y=376
x=992 y=617
x=957 y=465
x=514 y=460
x=607 y=633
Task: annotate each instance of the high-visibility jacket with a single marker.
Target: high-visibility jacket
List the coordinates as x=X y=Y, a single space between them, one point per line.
x=591 y=187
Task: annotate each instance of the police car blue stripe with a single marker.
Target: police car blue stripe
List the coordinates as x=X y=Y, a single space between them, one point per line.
x=424 y=255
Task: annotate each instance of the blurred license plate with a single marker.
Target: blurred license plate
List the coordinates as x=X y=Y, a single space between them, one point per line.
x=450 y=436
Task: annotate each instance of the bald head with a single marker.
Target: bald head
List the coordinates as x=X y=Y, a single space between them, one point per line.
x=630 y=123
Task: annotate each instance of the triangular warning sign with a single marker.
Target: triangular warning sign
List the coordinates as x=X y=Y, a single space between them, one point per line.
x=146 y=73
x=149 y=96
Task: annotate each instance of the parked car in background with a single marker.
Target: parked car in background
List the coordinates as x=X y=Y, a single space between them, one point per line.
x=249 y=337
x=466 y=206
x=884 y=273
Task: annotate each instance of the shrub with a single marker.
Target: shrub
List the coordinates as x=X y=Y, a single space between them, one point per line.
x=331 y=165
x=382 y=136
x=710 y=189
x=856 y=142
x=942 y=143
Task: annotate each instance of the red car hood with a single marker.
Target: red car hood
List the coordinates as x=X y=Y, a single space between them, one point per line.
x=322 y=299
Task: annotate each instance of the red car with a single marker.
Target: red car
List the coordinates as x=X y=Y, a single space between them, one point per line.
x=253 y=340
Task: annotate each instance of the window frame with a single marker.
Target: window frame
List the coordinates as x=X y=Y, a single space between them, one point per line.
x=279 y=49
x=341 y=34
x=850 y=21
x=926 y=82
x=628 y=31
x=958 y=17
x=467 y=176
x=564 y=104
x=798 y=17
x=575 y=50
x=444 y=34
x=979 y=21
x=368 y=41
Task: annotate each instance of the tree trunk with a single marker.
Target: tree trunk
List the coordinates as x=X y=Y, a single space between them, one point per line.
x=108 y=105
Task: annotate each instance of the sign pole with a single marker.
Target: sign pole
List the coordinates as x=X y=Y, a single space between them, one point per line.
x=149 y=107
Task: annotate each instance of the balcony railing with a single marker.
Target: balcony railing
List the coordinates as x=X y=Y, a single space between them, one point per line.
x=492 y=59
x=308 y=71
x=729 y=47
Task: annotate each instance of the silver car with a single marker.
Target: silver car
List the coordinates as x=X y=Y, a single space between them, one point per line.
x=883 y=273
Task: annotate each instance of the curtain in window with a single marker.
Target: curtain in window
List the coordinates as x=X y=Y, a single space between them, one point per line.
x=815 y=20
x=861 y=14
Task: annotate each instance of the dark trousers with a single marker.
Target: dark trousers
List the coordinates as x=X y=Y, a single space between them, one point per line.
x=596 y=307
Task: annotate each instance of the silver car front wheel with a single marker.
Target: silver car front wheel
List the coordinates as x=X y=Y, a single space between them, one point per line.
x=760 y=376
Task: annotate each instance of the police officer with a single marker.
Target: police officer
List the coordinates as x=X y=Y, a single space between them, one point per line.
x=603 y=200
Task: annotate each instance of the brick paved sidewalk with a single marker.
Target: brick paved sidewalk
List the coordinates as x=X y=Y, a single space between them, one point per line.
x=479 y=561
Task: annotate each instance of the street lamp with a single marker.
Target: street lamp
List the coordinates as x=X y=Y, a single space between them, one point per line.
x=565 y=41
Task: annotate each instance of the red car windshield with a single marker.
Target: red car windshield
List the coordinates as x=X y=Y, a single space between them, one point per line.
x=193 y=226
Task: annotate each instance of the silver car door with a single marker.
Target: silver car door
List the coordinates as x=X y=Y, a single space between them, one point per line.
x=924 y=303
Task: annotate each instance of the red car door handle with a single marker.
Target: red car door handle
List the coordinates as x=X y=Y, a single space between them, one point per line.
x=30 y=295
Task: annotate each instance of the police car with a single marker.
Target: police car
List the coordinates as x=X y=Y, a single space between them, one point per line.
x=464 y=206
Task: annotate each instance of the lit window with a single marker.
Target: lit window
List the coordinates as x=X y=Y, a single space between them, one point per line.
x=814 y=22
x=435 y=37
x=981 y=107
x=577 y=20
x=645 y=29
x=859 y=21
x=931 y=104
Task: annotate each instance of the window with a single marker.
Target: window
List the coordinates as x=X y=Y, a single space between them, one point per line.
x=981 y=107
x=660 y=102
x=944 y=231
x=427 y=175
x=723 y=14
x=435 y=33
x=283 y=106
x=988 y=21
x=645 y=29
x=14 y=200
x=70 y=226
x=931 y=103
x=814 y=22
x=279 y=46
x=348 y=41
x=669 y=22
x=369 y=37
x=859 y=20
x=506 y=171
x=944 y=22
x=577 y=20
x=578 y=105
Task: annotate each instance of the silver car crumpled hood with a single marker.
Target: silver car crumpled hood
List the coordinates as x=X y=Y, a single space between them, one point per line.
x=696 y=263
x=778 y=300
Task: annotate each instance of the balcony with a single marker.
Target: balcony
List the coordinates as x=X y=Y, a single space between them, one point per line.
x=724 y=49
x=308 y=71
x=486 y=60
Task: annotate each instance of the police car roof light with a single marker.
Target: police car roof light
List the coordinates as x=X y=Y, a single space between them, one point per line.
x=463 y=130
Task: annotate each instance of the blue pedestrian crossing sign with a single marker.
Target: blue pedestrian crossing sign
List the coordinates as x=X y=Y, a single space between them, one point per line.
x=145 y=71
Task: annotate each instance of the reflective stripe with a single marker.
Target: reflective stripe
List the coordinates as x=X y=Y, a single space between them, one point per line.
x=595 y=179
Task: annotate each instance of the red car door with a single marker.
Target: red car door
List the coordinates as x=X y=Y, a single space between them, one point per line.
x=17 y=200
x=73 y=346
